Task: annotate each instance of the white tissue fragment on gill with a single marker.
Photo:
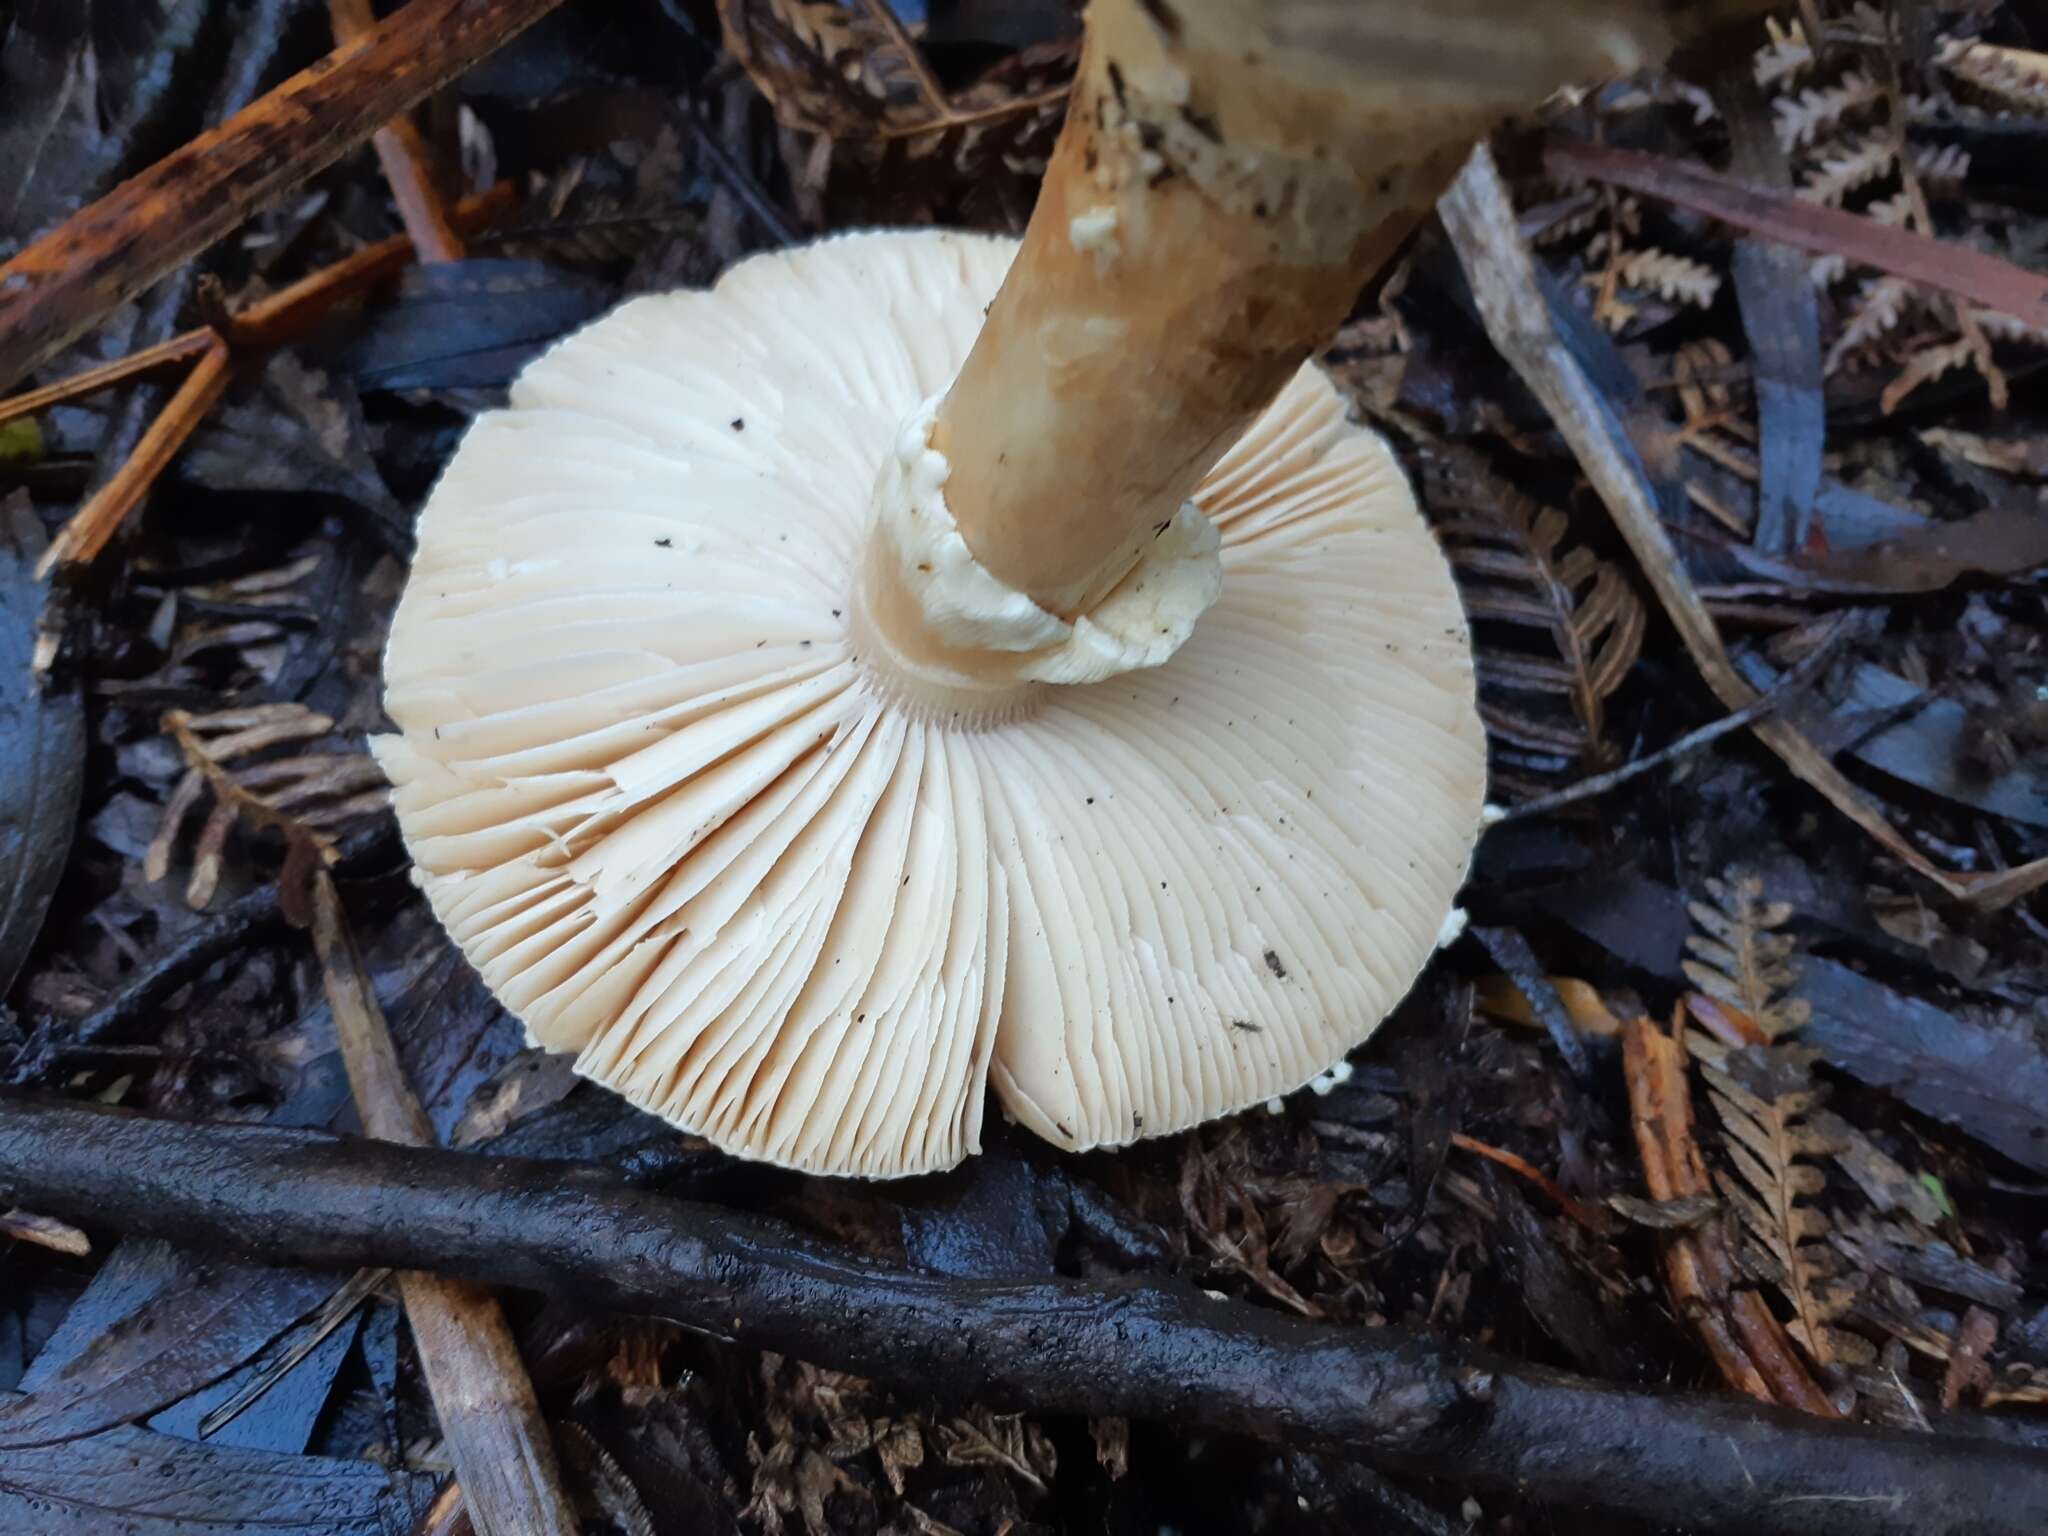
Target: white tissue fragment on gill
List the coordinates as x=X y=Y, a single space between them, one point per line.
x=1141 y=623
x=1454 y=925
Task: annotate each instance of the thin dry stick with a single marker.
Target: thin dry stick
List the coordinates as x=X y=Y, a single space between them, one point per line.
x=1780 y=692
x=402 y=153
x=503 y=1454
x=1744 y=1340
x=94 y=524
x=287 y=313
x=161 y=358
x=45 y=1232
x=107 y=253
x=266 y=324
x=1481 y=222
x=1590 y=1217
x=1946 y=267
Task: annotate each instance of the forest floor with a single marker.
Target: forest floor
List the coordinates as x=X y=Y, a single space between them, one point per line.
x=1735 y=1087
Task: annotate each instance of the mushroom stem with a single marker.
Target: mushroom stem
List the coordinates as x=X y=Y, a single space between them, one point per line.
x=1228 y=177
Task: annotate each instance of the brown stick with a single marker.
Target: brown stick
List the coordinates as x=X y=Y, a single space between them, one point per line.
x=1942 y=265
x=109 y=252
x=268 y=322
x=1592 y=1218
x=503 y=1453
x=287 y=313
x=264 y=325
x=1131 y=1346
x=161 y=358
x=402 y=153
x=94 y=524
x=1228 y=176
x=1747 y=1343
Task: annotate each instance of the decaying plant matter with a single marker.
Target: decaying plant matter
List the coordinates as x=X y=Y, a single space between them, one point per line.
x=1128 y=1347
x=1520 y=570
x=1792 y=1284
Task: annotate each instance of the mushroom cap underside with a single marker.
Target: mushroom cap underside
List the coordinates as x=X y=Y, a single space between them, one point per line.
x=655 y=797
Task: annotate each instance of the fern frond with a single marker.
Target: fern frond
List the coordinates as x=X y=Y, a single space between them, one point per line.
x=1739 y=959
x=1996 y=322
x=1573 y=221
x=1878 y=309
x=1811 y=115
x=1515 y=569
x=2016 y=78
x=1870 y=25
x=1923 y=366
x=1766 y=1099
x=1678 y=279
x=1941 y=165
x=1786 y=56
x=1855 y=166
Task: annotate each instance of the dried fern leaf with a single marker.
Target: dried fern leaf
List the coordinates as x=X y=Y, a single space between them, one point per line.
x=1882 y=303
x=2016 y=78
x=1678 y=279
x=1564 y=221
x=1996 y=322
x=1786 y=56
x=310 y=796
x=1813 y=115
x=853 y=75
x=1855 y=165
x=1738 y=958
x=1924 y=365
x=1766 y=1100
x=1583 y=621
x=1941 y=165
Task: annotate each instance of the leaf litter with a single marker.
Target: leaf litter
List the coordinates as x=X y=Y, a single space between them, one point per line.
x=1839 y=1218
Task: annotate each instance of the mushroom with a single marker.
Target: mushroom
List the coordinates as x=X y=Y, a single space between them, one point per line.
x=924 y=663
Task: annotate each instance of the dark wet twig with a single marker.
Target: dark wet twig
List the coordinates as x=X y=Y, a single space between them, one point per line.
x=740 y=181
x=1361 y=1499
x=1511 y=952
x=1136 y=1347
x=131 y=1011
x=1794 y=681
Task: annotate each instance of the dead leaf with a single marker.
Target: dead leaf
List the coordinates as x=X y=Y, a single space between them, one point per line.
x=1006 y=1440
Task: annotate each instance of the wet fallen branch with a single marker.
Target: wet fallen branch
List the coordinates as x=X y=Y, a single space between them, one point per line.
x=107 y=253
x=1134 y=1347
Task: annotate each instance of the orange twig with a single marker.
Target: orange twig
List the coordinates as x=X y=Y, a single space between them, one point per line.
x=94 y=524
x=160 y=358
x=264 y=325
x=61 y=285
x=1747 y=1342
x=402 y=152
x=289 y=312
x=1590 y=1217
